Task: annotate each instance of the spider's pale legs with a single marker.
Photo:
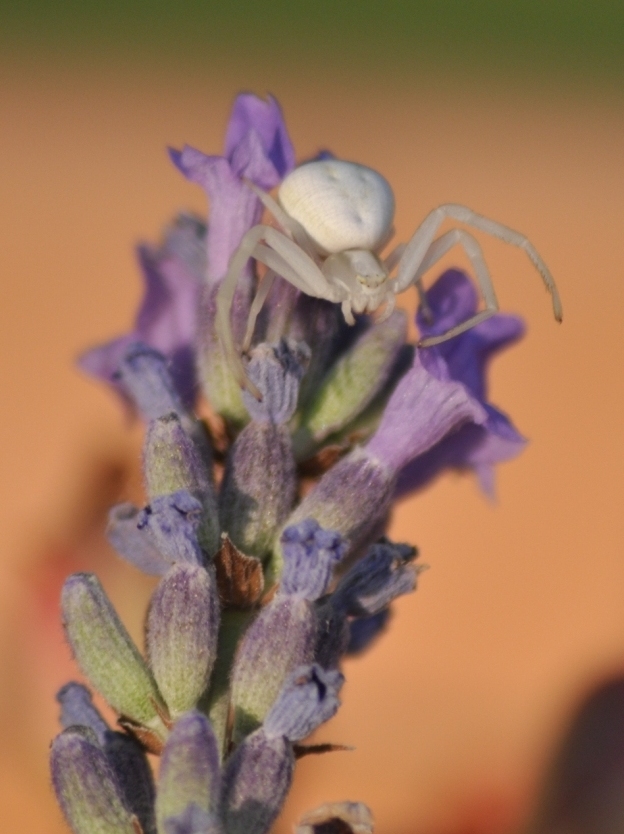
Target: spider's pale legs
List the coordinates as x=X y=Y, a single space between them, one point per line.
x=291 y=254
x=436 y=251
x=284 y=257
x=422 y=251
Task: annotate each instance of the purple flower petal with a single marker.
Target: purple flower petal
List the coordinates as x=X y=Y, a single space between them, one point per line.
x=277 y=371
x=308 y=699
x=423 y=409
x=464 y=359
x=258 y=148
x=453 y=299
x=310 y=555
x=472 y=447
x=77 y=708
x=166 y=319
x=264 y=117
x=383 y=574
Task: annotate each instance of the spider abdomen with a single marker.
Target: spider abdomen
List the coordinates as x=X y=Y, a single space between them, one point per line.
x=341 y=205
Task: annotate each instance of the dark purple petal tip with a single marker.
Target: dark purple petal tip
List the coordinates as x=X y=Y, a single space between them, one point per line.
x=310 y=555
x=307 y=700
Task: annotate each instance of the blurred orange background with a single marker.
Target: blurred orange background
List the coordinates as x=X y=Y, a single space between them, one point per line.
x=455 y=711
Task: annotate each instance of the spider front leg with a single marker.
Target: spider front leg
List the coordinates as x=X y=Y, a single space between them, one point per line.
x=284 y=257
x=419 y=247
x=436 y=251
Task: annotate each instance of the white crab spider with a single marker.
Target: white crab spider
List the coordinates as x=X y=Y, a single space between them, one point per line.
x=334 y=218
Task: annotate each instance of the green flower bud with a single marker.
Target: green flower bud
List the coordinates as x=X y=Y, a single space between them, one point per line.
x=86 y=787
x=352 y=383
x=107 y=655
x=172 y=462
x=182 y=630
x=189 y=769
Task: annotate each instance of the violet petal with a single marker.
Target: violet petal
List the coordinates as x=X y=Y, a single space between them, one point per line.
x=310 y=555
x=308 y=699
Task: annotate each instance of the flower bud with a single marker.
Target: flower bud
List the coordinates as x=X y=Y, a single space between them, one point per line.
x=259 y=487
x=310 y=554
x=219 y=384
x=182 y=630
x=352 y=498
x=284 y=635
x=189 y=769
x=255 y=783
x=172 y=462
x=124 y=754
x=106 y=654
x=134 y=777
x=173 y=522
x=281 y=638
x=351 y=383
x=85 y=785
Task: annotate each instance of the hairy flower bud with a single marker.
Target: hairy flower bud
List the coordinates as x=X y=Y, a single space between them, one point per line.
x=352 y=498
x=256 y=782
x=172 y=462
x=281 y=638
x=284 y=634
x=106 y=654
x=182 y=630
x=189 y=769
x=351 y=383
x=85 y=785
x=259 y=487
x=276 y=371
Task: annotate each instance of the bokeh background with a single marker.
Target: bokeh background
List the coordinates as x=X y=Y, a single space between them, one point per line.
x=513 y=107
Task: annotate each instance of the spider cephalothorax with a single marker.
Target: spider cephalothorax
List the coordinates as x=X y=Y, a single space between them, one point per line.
x=335 y=217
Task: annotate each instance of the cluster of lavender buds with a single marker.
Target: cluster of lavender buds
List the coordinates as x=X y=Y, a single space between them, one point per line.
x=264 y=520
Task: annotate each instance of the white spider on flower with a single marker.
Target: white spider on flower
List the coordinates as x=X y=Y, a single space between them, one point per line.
x=335 y=217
